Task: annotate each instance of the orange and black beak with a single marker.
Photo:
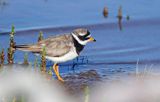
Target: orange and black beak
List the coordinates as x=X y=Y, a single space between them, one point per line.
x=92 y=39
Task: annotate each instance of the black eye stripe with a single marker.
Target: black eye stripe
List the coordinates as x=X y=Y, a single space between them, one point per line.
x=83 y=38
x=88 y=33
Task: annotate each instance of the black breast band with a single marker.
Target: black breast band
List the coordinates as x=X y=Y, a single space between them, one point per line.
x=77 y=45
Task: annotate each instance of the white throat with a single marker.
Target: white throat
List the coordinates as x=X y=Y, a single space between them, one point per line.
x=80 y=41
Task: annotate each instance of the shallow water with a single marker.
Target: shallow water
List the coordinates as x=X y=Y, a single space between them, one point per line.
x=115 y=52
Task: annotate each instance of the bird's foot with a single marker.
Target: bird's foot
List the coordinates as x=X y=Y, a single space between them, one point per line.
x=56 y=70
x=60 y=79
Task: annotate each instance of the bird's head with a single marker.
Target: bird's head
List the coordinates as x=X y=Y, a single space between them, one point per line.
x=83 y=36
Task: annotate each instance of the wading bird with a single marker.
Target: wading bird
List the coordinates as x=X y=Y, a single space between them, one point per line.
x=60 y=48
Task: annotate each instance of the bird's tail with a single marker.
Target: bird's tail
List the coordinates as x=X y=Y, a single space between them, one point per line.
x=30 y=48
x=22 y=47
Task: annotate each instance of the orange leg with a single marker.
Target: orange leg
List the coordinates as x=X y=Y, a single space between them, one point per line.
x=56 y=70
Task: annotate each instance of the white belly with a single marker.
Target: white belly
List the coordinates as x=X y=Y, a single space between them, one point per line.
x=69 y=56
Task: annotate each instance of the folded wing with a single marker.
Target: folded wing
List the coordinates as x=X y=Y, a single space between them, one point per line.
x=55 y=46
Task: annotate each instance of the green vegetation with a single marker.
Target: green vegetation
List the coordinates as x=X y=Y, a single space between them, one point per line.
x=50 y=71
x=10 y=56
x=12 y=43
x=43 y=60
x=2 y=57
x=40 y=37
x=35 y=62
x=11 y=49
x=25 y=62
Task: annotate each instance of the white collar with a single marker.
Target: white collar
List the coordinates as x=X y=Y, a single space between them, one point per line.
x=79 y=41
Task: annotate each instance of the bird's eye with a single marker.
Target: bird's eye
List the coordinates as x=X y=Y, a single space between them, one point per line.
x=84 y=37
x=87 y=35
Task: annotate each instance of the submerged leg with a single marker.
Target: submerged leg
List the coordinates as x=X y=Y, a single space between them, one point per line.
x=56 y=70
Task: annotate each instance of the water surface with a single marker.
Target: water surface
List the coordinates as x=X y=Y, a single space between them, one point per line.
x=115 y=52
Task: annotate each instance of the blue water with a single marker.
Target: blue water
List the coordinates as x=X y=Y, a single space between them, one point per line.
x=29 y=14
x=115 y=49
